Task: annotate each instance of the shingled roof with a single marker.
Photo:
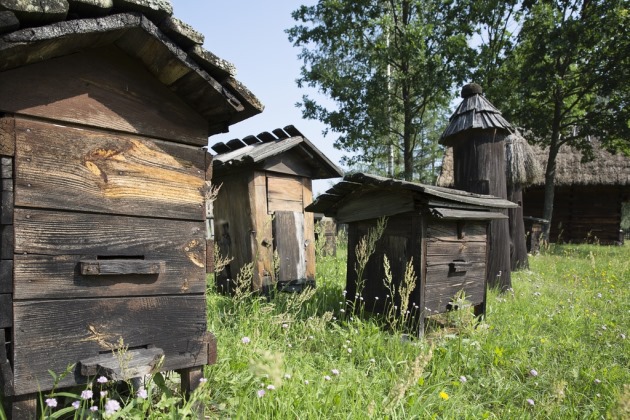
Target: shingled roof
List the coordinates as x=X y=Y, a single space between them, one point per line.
x=252 y=150
x=443 y=202
x=475 y=111
x=32 y=31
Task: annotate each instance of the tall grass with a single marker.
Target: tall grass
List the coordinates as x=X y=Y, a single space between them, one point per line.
x=554 y=347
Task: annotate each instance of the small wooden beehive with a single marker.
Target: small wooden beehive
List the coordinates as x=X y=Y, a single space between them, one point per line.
x=104 y=193
x=442 y=231
x=259 y=213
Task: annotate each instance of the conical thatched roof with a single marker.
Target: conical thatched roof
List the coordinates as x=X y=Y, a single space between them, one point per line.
x=605 y=169
x=474 y=112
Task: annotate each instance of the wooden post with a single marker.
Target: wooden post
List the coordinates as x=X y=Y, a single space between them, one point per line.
x=518 y=245
x=477 y=133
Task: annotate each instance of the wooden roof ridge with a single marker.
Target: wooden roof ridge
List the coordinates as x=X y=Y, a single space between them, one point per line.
x=168 y=48
x=352 y=184
x=474 y=112
x=255 y=149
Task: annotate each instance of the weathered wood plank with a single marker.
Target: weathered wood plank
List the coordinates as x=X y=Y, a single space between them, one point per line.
x=6 y=373
x=309 y=230
x=50 y=245
x=6 y=311
x=288 y=233
x=447 y=231
x=84 y=170
x=446 y=252
x=284 y=194
x=190 y=379
x=7 y=136
x=289 y=164
x=137 y=364
x=117 y=267
x=6 y=208
x=6 y=167
x=6 y=242
x=6 y=276
x=24 y=407
x=102 y=87
x=370 y=206
x=53 y=334
x=261 y=238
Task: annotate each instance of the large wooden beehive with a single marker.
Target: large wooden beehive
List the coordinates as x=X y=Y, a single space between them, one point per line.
x=104 y=196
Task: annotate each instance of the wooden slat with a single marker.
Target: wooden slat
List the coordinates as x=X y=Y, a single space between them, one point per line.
x=370 y=206
x=83 y=170
x=288 y=233
x=235 y=144
x=6 y=372
x=102 y=87
x=53 y=334
x=6 y=209
x=284 y=194
x=262 y=238
x=118 y=267
x=6 y=311
x=249 y=140
x=309 y=231
x=220 y=147
x=50 y=245
x=6 y=242
x=7 y=136
x=280 y=133
x=266 y=137
x=138 y=363
x=6 y=276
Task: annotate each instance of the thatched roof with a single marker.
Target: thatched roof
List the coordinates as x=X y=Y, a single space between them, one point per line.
x=605 y=169
x=474 y=112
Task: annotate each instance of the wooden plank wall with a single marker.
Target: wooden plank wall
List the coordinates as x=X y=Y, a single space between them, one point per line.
x=581 y=213
x=443 y=248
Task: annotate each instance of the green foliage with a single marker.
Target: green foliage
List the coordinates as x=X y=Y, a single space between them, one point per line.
x=390 y=68
x=556 y=346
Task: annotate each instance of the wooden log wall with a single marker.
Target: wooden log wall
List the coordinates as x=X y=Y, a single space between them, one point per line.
x=581 y=213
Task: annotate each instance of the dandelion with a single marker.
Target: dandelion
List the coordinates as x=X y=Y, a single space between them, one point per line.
x=328 y=378
x=111 y=406
x=203 y=380
x=260 y=393
x=142 y=393
x=335 y=372
x=271 y=387
x=530 y=402
x=76 y=404
x=101 y=380
x=462 y=379
x=444 y=395
x=51 y=402
x=245 y=340
x=533 y=372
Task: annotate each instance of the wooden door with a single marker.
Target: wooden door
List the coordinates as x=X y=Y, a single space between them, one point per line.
x=289 y=244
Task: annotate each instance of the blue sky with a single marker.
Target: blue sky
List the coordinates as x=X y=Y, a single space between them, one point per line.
x=250 y=34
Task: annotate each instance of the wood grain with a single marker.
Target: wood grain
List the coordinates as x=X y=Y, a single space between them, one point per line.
x=102 y=87
x=50 y=244
x=284 y=194
x=6 y=276
x=309 y=230
x=55 y=333
x=7 y=136
x=118 y=267
x=262 y=235
x=73 y=169
x=288 y=234
x=6 y=311
x=6 y=372
x=138 y=363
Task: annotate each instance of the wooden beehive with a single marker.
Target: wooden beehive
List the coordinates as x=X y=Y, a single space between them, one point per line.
x=442 y=231
x=104 y=193
x=259 y=213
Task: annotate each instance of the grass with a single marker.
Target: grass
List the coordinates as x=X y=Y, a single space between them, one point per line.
x=555 y=347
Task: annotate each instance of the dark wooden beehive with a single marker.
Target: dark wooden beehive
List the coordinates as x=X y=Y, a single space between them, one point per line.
x=104 y=194
x=443 y=231
x=259 y=214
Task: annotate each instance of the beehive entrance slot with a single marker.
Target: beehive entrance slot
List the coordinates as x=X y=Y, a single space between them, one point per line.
x=120 y=257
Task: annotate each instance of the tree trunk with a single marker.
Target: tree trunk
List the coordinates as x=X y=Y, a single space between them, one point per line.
x=518 y=244
x=550 y=171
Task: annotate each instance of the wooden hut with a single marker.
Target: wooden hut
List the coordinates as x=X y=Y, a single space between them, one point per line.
x=103 y=115
x=443 y=232
x=259 y=213
x=477 y=133
x=588 y=196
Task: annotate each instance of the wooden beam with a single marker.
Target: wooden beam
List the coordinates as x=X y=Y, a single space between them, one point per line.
x=135 y=364
x=116 y=267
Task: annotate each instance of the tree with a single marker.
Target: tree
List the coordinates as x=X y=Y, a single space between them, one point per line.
x=569 y=78
x=389 y=66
